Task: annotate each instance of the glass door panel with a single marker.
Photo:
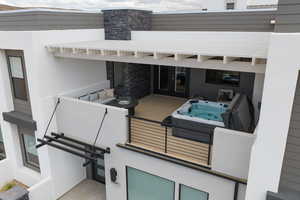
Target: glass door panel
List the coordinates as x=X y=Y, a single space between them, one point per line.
x=171 y=81
x=99 y=170
x=180 y=80
x=163 y=78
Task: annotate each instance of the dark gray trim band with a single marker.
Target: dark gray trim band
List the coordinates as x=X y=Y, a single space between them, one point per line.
x=20 y=119
x=274 y=196
x=47 y=20
x=244 y=21
x=288 y=16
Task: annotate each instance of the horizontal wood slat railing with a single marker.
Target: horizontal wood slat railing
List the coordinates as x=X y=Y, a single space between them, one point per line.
x=155 y=136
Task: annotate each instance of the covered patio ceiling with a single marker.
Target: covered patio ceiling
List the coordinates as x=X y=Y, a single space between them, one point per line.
x=225 y=55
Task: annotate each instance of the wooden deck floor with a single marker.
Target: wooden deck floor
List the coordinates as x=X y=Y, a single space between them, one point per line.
x=158 y=107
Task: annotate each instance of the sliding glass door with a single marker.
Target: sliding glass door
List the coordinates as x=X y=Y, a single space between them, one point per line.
x=99 y=170
x=171 y=81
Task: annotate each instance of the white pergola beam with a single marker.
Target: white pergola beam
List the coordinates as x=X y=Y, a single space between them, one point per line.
x=228 y=59
x=162 y=55
x=202 y=58
x=179 y=57
x=125 y=53
x=138 y=54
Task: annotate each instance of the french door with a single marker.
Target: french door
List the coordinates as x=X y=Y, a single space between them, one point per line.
x=171 y=81
x=99 y=170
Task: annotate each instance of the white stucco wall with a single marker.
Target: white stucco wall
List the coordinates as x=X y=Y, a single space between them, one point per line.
x=47 y=76
x=231 y=152
x=6 y=174
x=213 y=5
x=114 y=131
x=66 y=170
x=209 y=42
x=261 y=2
x=220 y=5
x=279 y=90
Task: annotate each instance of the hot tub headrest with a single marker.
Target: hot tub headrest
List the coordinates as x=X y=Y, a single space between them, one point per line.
x=240 y=115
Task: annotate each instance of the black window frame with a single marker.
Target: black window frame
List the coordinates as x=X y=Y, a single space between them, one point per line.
x=26 y=162
x=221 y=82
x=3 y=153
x=13 y=79
x=126 y=169
x=180 y=186
x=230 y=6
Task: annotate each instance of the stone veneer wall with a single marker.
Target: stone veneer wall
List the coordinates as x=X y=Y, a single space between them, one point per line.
x=118 y=24
x=137 y=81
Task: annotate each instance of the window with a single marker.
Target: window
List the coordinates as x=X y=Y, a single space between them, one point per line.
x=188 y=193
x=17 y=77
x=223 y=77
x=2 y=150
x=142 y=185
x=29 y=151
x=230 y=6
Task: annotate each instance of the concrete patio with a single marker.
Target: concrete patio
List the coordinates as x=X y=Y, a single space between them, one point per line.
x=86 y=190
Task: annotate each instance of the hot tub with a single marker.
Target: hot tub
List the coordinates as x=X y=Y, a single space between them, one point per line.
x=197 y=119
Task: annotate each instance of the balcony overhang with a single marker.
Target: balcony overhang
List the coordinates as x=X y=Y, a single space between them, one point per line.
x=230 y=54
x=20 y=119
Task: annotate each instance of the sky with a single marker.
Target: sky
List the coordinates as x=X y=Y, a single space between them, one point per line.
x=96 y=5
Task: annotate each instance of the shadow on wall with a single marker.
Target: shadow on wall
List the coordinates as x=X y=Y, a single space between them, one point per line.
x=200 y=87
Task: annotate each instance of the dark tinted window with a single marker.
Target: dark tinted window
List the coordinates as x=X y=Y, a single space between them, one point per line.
x=16 y=69
x=189 y=193
x=230 y=6
x=28 y=143
x=2 y=150
x=223 y=77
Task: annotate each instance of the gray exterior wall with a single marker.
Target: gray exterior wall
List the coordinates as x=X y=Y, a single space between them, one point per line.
x=198 y=86
x=290 y=175
x=47 y=20
x=288 y=19
x=252 y=21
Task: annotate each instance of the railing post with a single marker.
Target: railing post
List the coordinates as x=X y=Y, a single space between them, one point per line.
x=129 y=129
x=236 y=191
x=209 y=150
x=166 y=139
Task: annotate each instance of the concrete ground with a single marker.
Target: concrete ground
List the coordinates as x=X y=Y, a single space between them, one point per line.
x=86 y=190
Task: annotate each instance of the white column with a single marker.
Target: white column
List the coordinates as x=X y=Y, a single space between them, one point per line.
x=278 y=96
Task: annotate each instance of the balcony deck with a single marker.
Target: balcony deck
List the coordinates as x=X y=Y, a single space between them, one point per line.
x=158 y=107
x=151 y=135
